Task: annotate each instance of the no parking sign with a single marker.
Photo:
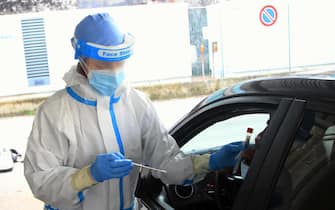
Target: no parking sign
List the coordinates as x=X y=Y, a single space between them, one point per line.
x=268 y=15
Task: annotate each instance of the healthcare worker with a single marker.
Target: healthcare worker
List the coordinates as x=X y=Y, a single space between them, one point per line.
x=86 y=137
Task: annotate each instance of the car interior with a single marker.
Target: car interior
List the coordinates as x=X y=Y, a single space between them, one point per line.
x=311 y=164
x=305 y=183
x=218 y=189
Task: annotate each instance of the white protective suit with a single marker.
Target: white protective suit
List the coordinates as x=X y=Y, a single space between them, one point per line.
x=76 y=124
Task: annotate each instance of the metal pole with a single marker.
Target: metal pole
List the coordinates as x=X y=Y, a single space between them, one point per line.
x=213 y=68
x=289 y=38
x=202 y=51
x=203 y=68
x=221 y=41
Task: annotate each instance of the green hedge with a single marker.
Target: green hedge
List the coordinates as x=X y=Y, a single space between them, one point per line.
x=155 y=92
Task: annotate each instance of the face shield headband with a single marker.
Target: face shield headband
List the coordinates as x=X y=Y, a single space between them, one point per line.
x=104 y=53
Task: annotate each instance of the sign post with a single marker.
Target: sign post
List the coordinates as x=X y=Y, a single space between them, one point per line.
x=214 y=51
x=202 y=51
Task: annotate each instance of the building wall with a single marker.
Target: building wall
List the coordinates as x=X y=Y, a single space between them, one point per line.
x=302 y=38
x=161 y=49
x=167 y=45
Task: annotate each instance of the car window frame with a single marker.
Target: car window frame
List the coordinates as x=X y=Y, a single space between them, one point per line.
x=182 y=125
x=257 y=190
x=311 y=106
x=277 y=104
x=271 y=102
x=196 y=122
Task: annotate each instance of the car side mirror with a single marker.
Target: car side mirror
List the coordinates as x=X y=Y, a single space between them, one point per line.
x=16 y=156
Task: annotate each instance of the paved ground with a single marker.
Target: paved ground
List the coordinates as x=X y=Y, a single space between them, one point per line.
x=14 y=191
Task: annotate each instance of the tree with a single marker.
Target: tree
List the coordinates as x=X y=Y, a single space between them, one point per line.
x=21 y=6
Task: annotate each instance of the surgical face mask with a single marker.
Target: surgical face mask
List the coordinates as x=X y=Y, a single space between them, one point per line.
x=106 y=82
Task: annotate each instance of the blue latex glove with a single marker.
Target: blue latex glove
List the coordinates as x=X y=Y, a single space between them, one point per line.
x=109 y=166
x=226 y=156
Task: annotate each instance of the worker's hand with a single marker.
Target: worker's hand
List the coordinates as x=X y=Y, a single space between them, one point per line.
x=226 y=156
x=109 y=166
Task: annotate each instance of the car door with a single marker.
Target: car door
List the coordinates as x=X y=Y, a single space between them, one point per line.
x=301 y=176
x=197 y=132
x=257 y=190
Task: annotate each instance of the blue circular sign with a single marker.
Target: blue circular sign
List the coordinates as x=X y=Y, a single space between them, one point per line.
x=268 y=15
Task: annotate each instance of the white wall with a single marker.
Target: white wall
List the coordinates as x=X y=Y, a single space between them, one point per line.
x=248 y=47
x=161 y=48
x=213 y=32
x=247 y=44
x=312 y=32
x=13 y=73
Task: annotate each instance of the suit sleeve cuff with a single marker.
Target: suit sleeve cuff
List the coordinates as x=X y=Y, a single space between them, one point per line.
x=82 y=179
x=200 y=164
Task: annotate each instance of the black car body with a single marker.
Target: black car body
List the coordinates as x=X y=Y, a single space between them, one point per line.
x=293 y=166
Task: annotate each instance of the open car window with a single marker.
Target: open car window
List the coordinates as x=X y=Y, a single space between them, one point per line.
x=226 y=131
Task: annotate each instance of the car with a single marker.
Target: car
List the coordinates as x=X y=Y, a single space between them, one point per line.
x=7 y=158
x=290 y=163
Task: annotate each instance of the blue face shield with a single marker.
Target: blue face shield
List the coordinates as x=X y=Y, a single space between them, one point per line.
x=106 y=82
x=99 y=37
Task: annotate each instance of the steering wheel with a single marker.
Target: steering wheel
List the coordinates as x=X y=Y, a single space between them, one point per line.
x=226 y=189
x=218 y=187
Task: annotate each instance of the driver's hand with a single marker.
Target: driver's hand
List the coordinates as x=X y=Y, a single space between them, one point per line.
x=226 y=156
x=248 y=154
